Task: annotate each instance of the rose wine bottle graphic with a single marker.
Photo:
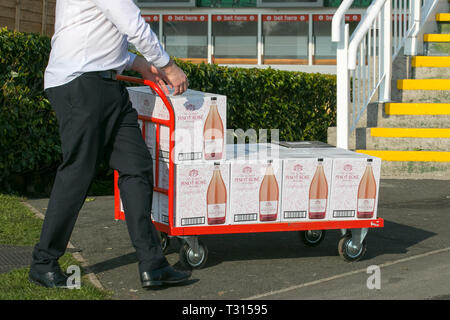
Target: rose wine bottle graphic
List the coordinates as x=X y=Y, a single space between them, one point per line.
x=318 y=193
x=367 y=192
x=268 y=195
x=216 y=198
x=213 y=133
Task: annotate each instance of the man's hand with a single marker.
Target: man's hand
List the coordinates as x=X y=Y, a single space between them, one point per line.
x=170 y=74
x=149 y=72
x=176 y=78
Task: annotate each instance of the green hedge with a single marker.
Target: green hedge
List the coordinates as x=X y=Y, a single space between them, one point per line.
x=29 y=141
x=300 y=105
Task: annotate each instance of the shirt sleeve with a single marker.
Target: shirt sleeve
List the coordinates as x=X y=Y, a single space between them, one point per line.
x=131 y=57
x=126 y=16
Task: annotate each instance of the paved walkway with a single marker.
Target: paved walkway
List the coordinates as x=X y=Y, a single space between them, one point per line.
x=412 y=251
x=14 y=257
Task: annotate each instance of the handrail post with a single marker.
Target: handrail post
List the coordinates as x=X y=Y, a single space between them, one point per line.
x=411 y=42
x=386 y=52
x=343 y=89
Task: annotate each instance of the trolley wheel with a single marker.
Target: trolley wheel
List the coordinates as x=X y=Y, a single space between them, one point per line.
x=191 y=260
x=349 y=251
x=312 y=238
x=165 y=241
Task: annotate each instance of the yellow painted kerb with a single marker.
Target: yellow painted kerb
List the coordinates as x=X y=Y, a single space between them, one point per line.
x=431 y=61
x=391 y=155
x=443 y=17
x=436 y=37
x=423 y=84
x=417 y=108
x=410 y=132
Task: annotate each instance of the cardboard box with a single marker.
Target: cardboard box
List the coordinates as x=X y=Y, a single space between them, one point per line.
x=246 y=204
x=192 y=206
x=347 y=199
x=192 y=137
x=303 y=200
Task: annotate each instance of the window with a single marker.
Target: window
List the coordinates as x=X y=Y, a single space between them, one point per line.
x=289 y=3
x=166 y=3
x=235 y=38
x=285 y=39
x=324 y=48
x=186 y=36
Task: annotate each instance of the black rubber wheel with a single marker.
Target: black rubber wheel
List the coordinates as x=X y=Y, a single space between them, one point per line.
x=165 y=241
x=350 y=252
x=189 y=260
x=312 y=238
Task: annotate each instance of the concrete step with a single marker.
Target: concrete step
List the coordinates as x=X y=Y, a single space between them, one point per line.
x=410 y=132
x=416 y=156
x=415 y=170
x=406 y=166
x=394 y=115
x=412 y=164
x=398 y=139
x=407 y=139
x=431 y=72
x=437 y=49
x=417 y=108
x=430 y=67
x=411 y=95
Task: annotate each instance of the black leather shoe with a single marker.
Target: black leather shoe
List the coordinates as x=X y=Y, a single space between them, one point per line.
x=165 y=275
x=55 y=279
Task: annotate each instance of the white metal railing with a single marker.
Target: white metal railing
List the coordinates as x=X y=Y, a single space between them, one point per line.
x=364 y=60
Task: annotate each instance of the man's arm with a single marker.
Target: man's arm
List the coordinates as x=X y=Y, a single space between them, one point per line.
x=126 y=16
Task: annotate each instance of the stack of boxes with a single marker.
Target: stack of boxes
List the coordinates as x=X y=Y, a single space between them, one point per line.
x=220 y=184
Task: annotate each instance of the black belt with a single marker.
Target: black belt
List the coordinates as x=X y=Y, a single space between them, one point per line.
x=108 y=74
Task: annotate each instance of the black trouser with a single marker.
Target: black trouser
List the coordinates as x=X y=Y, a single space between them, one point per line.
x=96 y=120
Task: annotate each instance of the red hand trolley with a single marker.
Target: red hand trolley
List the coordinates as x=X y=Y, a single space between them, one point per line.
x=194 y=253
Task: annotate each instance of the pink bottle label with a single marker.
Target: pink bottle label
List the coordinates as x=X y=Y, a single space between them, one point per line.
x=317 y=205
x=366 y=205
x=213 y=145
x=268 y=207
x=216 y=210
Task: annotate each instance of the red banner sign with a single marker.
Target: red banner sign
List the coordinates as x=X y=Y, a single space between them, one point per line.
x=150 y=17
x=285 y=17
x=234 y=17
x=329 y=17
x=352 y=17
x=185 y=18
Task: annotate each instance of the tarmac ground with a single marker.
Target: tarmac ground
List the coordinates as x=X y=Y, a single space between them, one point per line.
x=411 y=255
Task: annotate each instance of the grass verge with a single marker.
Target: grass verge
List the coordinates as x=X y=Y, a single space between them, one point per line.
x=19 y=226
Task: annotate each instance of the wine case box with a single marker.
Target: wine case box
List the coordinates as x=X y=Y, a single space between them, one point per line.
x=253 y=198
x=252 y=151
x=306 y=188
x=354 y=191
x=200 y=198
x=199 y=129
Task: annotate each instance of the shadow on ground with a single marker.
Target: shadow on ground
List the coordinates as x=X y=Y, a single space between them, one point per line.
x=394 y=238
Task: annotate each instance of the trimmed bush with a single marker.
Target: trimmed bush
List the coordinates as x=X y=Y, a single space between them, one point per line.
x=29 y=140
x=300 y=105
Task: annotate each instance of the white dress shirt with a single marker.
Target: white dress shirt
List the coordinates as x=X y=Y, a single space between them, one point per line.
x=93 y=35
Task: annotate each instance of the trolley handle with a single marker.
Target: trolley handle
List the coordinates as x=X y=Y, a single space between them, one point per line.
x=153 y=86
